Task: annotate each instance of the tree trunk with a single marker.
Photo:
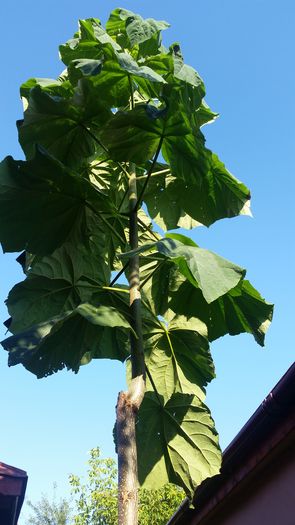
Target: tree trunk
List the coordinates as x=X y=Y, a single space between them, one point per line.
x=130 y=401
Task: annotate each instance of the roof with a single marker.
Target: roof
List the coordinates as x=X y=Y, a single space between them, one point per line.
x=13 y=482
x=272 y=423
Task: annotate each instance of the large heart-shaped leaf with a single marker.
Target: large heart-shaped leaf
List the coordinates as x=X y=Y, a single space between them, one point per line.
x=66 y=127
x=178 y=357
x=53 y=87
x=201 y=185
x=37 y=299
x=42 y=204
x=240 y=310
x=131 y=28
x=70 y=340
x=213 y=274
x=163 y=204
x=111 y=75
x=87 y=43
x=185 y=446
x=57 y=283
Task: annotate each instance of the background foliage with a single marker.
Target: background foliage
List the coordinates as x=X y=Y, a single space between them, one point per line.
x=94 y=499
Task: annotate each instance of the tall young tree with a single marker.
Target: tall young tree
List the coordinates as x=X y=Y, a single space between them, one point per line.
x=114 y=147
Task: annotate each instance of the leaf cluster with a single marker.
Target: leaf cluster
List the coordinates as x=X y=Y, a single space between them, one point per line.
x=124 y=98
x=50 y=511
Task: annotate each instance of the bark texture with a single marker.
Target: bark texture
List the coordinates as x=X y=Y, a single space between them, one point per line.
x=130 y=401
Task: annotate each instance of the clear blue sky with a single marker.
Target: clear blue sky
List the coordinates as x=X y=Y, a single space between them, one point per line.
x=245 y=53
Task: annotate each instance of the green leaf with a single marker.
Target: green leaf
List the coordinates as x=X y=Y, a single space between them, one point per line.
x=240 y=310
x=71 y=340
x=187 y=241
x=185 y=447
x=116 y=26
x=214 y=275
x=110 y=75
x=55 y=88
x=163 y=204
x=140 y=30
x=126 y=27
x=87 y=43
x=42 y=204
x=207 y=191
x=92 y=30
x=62 y=125
x=73 y=261
x=125 y=133
x=156 y=280
x=178 y=357
x=57 y=283
x=37 y=299
x=201 y=186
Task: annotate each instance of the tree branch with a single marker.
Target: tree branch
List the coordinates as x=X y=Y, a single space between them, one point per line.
x=119 y=273
x=147 y=228
x=138 y=203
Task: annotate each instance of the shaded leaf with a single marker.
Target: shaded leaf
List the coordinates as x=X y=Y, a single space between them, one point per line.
x=42 y=204
x=61 y=125
x=53 y=87
x=240 y=310
x=57 y=283
x=163 y=204
x=127 y=131
x=37 y=299
x=207 y=191
x=71 y=340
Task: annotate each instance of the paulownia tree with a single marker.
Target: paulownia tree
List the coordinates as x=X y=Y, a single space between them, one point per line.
x=113 y=148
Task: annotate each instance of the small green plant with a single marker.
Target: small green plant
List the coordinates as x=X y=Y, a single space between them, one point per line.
x=96 y=498
x=113 y=148
x=50 y=511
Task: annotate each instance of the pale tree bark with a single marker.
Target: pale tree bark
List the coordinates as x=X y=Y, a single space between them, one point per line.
x=130 y=401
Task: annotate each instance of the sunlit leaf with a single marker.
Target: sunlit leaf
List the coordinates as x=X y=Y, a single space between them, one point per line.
x=213 y=274
x=178 y=357
x=128 y=27
x=185 y=445
x=201 y=185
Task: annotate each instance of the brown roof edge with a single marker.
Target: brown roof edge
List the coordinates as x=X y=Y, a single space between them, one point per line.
x=8 y=470
x=269 y=424
x=13 y=484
